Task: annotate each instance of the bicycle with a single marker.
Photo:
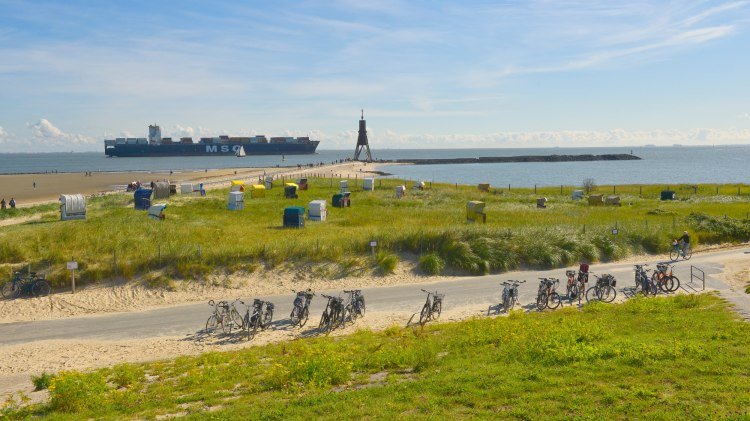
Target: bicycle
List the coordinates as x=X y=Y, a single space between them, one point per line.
x=666 y=281
x=547 y=297
x=644 y=281
x=432 y=307
x=604 y=289
x=510 y=295
x=356 y=305
x=680 y=249
x=333 y=315
x=30 y=285
x=220 y=318
x=260 y=318
x=301 y=310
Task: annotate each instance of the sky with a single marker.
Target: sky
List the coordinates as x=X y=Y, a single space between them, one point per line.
x=428 y=74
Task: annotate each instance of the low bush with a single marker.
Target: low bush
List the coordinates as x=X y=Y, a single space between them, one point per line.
x=42 y=381
x=386 y=262
x=431 y=264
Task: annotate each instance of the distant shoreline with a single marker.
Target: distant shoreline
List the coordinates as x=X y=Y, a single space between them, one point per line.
x=510 y=159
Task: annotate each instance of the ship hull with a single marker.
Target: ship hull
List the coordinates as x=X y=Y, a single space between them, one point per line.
x=210 y=149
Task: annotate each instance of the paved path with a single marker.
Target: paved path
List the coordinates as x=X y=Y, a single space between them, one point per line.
x=471 y=292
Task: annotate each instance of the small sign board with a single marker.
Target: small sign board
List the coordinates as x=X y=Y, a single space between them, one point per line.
x=373 y=243
x=72 y=265
x=614 y=231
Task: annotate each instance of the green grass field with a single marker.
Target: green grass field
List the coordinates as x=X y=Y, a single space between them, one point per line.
x=683 y=357
x=200 y=235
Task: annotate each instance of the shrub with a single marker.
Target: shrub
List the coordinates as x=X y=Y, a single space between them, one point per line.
x=431 y=264
x=126 y=375
x=42 y=381
x=73 y=391
x=387 y=262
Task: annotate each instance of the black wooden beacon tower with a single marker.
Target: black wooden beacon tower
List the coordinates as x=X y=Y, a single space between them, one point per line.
x=362 y=143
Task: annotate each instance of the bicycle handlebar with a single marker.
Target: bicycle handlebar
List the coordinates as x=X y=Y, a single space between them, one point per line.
x=352 y=290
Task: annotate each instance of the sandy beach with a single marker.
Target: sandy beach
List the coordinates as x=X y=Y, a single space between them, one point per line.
x=30 y=189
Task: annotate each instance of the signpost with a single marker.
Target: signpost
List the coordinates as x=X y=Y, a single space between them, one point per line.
x=373 y=244
x=72 y=266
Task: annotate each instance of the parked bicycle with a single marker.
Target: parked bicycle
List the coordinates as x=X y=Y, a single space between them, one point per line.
x=334 y=314
x=643 y=281
x=680 y=250
x=509 y=297
x=547 y=297
x=432 y=307
x=664 y=278
x=301 y=309
x=260 y=318
x=30 y=285
x=356 y=304
x=604 y=289
x=220 y=319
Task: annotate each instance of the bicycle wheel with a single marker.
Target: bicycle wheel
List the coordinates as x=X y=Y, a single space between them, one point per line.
x=607 y=294
x=572 y=292
x=437 y=308
x=303 y=318
x=424 y=315
x=592 y=294
x=347 y=315
x=688 y=254
x=541 y=301
x=553 y=301
x=236 y=317
x=325 y=321
x=10 y=290
x=295 y=315
x=674 y=255
x=225 y=323
x=267 y=318
x=211 y=325
x=362 y=306
x=506 y=306
x=675 y=283
x=41 y=288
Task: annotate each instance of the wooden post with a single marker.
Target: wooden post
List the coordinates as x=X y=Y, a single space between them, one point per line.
x=561 y=189
x=640 y=190
x=508 y=187
x=614 y=189
x=717 y=189
x=534 y=188
x=73 y=280
x=159 y=254
x=115 y=261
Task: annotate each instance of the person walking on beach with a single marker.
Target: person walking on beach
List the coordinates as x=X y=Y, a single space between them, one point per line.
x=12 y=203
x=2 y=203
x=34 y=184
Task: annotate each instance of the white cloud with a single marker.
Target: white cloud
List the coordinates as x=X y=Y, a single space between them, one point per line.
x=744 y=115
x=48 y=135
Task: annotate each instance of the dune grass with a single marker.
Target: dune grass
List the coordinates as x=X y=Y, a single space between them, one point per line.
x=680 y=357
x=200 y=235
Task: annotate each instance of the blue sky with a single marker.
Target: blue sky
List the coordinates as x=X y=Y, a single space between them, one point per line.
x=428 y=74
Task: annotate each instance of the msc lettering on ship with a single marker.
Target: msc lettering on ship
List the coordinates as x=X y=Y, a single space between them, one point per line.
x=223 y=149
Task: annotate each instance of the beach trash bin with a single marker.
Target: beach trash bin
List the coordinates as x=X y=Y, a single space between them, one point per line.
x=237 y=185
x=72 y=206
x=156 y=211
x=142 y=198
x=290 y=190
x=400 y=192
x=596 y=200
x=343 y=185
x=668 y=195
x=257 y=190
x=368 y=184
x=186 y=188
x=577 y=195
x=612 y=201
x=316 y=210
x=485 y=187
x=475 y=211
x=541 y=202
x=302 y=183
x=269 y=182
x=236 y=200
x=294 y=217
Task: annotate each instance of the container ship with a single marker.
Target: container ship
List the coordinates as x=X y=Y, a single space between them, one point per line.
x=155 y=145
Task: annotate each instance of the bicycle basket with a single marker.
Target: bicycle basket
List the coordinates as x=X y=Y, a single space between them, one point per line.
x=269 y=306
x=570 y=273
x=661 y=267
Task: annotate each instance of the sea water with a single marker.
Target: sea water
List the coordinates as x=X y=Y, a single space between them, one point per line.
x=659 y=165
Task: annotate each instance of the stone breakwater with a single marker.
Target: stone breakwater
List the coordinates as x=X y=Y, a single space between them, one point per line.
x=525 y=158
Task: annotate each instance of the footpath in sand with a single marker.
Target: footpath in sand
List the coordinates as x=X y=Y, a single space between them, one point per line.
x=175 y=328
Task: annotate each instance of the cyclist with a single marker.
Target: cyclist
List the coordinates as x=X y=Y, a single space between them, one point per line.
x=684 y=242
x=583 y=271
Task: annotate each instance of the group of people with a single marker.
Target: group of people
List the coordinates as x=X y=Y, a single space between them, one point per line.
x=4 y=205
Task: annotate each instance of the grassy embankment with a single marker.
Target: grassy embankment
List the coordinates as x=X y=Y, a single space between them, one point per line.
x=200 y=235
x=680 y=357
